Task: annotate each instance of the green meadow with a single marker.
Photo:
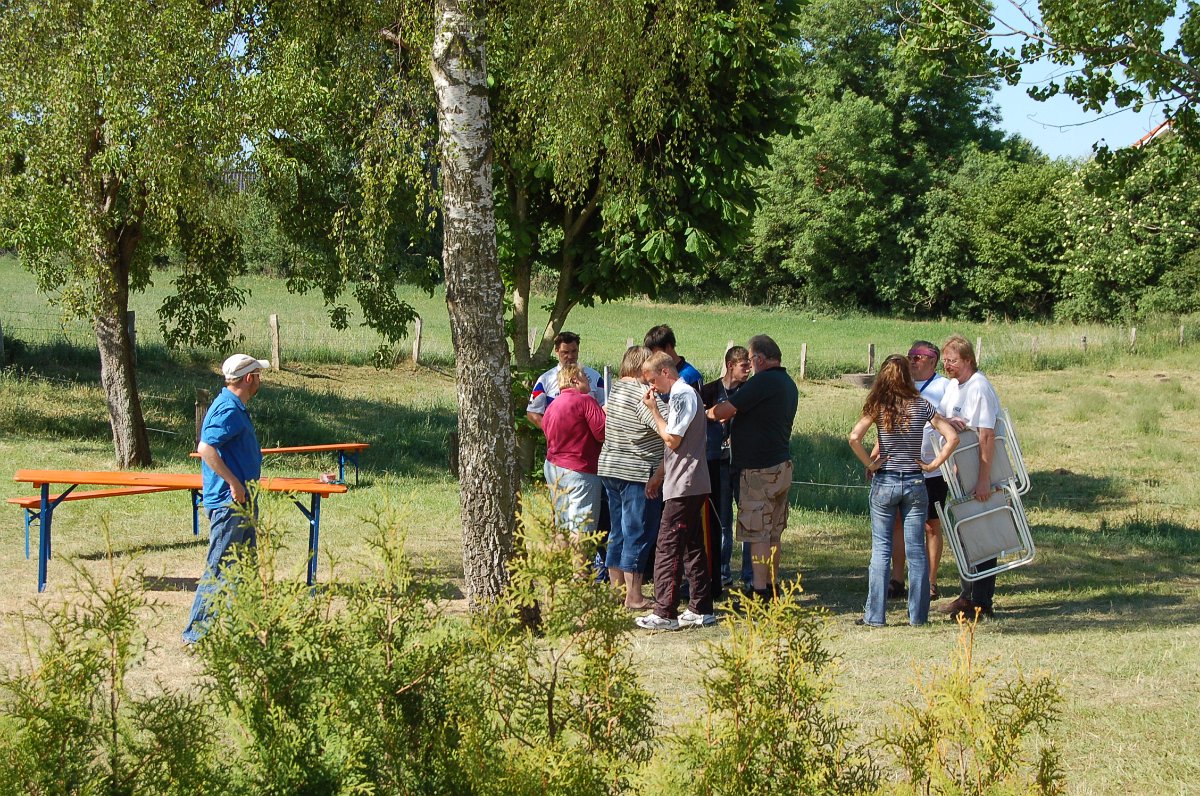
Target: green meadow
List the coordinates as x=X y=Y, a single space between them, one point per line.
x=1111 y=606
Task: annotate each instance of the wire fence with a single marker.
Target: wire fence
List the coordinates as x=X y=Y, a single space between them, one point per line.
x=827 y=351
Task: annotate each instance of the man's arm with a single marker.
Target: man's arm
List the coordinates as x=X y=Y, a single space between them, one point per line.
x=672 y=441
x=209 y=455
x=534 y=418
x=722 y=411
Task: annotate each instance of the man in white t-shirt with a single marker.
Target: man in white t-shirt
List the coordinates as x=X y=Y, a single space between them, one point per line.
x=685 y=489
x=970 y=400
x=545 y=389
x=923 y=357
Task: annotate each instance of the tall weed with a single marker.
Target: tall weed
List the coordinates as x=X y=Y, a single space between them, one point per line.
x=73 y=724
x=770 y=726
x=972 y=735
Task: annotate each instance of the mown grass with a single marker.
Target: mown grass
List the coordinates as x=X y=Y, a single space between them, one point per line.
x=1111 y=607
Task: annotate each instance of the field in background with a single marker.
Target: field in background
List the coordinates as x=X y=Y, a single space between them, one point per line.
x=835 y=345
x=1111 y=607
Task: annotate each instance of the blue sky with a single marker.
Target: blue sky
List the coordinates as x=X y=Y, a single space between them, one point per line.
x=1061 y=128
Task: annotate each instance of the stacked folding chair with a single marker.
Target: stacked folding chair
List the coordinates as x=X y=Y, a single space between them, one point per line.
x=996 y=528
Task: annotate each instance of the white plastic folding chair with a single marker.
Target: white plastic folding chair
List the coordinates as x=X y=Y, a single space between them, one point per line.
x=1006 y=431
x=997 y=528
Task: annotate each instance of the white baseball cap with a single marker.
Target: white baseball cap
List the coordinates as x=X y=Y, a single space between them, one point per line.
x=239 y=365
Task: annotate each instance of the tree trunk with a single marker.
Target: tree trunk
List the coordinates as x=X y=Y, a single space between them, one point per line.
x=118 y=373
x=475 y=300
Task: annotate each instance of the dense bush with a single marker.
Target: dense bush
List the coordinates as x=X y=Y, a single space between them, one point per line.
x=367 y=687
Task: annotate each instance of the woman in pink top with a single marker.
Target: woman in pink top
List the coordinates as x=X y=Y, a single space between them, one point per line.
x=574 y=427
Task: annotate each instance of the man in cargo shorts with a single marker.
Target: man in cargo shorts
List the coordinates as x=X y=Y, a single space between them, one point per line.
x=763 y=411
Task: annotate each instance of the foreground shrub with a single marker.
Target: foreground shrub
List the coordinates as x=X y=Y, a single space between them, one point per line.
x=556 y=706
x=72 y=723
x=769 y=728
x=335 y=690
x=972 y=735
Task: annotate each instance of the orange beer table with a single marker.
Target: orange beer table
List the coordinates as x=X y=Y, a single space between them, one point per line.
x=165 y=481
x=346 y=451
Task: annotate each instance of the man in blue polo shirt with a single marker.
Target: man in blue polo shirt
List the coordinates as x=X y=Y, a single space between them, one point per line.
x=230 y=460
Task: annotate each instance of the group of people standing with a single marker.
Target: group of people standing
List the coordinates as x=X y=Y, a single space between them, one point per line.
x=663 y=445
x=918 y=414
x=671 y=455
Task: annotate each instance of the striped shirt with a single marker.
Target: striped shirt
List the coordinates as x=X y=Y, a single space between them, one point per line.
x=632 y=448
x=902 y=447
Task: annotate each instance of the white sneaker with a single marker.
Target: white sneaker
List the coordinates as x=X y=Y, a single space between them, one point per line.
x=655 y=622
x=696 y=620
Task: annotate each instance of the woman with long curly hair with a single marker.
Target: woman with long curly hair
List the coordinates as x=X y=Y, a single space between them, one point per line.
x=899 y=413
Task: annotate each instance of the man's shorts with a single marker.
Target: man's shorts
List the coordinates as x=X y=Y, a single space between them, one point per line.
x=763 y=504
x=936 y=489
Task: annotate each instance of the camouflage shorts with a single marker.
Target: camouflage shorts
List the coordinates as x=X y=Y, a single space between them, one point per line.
x=763 y=504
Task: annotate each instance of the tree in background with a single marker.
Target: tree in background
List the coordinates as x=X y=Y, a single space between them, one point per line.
x=878 y=129
x=625 y=139
x=990 y=241
x=1110 y=52
x=1134 y=236
x=115 y=131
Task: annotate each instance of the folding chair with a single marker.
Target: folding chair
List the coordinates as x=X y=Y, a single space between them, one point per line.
x=1008 y=432
x=996 y=528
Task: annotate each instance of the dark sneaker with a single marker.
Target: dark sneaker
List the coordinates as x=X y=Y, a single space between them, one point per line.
x=896 y=590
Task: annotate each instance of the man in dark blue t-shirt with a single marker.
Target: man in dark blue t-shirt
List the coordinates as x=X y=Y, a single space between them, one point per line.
x=662 y=338
x=760 y=444
x=230 y=459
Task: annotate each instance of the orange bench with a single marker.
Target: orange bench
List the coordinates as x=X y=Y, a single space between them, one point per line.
x=33 y=504
x=346 y=451
x=144 y=482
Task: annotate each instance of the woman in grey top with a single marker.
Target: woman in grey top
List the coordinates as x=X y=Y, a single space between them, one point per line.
x=628 y=460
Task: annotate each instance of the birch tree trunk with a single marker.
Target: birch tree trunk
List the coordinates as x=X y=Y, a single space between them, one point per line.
x=475 y=299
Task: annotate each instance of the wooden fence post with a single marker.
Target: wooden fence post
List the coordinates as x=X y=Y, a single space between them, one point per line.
x=803 y=361
x=871 y=358
x=131 y=327
x=2 y=341
x=203 y=398
x=1033 y=345
x=276 y=345
x=1083 y=342
x=628 y=342
x=1133 y=337
x=418 y=326
x=978 y=350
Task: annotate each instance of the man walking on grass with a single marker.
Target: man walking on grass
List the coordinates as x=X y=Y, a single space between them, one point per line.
x=685 y=489
x=760 y=443
x=231 y=460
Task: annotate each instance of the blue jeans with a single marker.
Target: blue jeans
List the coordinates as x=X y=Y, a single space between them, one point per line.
x=895 y=493
x=576 y=498
x=720 y=474
x=227 y=529
x=633 y=529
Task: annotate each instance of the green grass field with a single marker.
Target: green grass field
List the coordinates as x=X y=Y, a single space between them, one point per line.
x=1111 y=607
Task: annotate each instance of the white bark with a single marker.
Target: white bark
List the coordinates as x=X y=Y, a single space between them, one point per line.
x=475 y=301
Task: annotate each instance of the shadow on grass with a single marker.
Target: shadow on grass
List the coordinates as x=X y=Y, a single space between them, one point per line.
x=404 y=439
x=1063 y=489
x=831 y=479
x=136 y=550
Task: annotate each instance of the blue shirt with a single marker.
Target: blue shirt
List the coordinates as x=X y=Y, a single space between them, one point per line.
x=227 y=428
x=689 y=374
